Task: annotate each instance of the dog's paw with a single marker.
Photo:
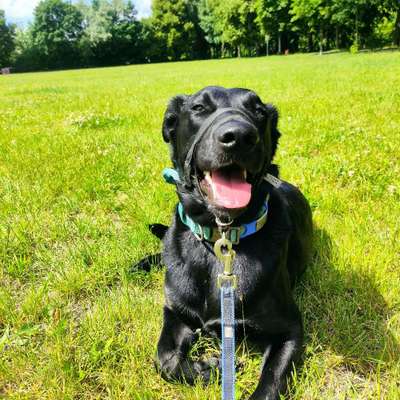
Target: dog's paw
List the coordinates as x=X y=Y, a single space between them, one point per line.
x=158 y=230
x=147 y=263
x=214 y=362
x=187 y=371
x=270 y=395
x=208 y=370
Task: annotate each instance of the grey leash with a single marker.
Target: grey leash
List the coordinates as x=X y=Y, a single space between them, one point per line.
x=227 y=283
x=228 y=341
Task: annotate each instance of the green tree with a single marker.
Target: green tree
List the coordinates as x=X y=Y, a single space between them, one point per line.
x=107 y=32
x=391 y=9
x=175 y=25
x=274 y=21
x=237 y=23
x=112 y=33
x=7 y=40
x=317 y=17
x=56 y=31
x=396 y=30
x=359 y=17
x=211 y=25
x=26 y=56
x=152 y=48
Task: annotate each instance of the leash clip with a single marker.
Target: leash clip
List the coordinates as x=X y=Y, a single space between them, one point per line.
x=225 y=254
x=223 y=225
x=222 y=279
x=227 y=283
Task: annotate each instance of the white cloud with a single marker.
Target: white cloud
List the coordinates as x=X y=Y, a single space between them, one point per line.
x=21 y=11
x=18 y=10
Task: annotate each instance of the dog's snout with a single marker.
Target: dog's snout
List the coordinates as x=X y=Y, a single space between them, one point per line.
x=237 y=136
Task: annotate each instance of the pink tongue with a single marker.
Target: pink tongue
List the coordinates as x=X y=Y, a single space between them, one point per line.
x=230 y=190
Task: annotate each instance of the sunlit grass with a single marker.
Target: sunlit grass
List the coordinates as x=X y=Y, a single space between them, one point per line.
x=81 y=156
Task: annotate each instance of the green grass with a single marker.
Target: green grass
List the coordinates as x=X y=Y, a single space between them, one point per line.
x=81 y=156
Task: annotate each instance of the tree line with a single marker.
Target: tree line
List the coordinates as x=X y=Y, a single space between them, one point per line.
x=107 y=32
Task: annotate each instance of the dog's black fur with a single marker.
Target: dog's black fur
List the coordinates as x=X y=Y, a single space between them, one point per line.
x=267 y=263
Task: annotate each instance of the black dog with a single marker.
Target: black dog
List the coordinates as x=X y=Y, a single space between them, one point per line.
x=222 y=144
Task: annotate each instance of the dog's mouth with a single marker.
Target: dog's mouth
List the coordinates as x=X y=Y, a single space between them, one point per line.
x=227 y=187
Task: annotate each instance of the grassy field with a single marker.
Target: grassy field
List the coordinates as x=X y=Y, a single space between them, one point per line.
x=81 y=156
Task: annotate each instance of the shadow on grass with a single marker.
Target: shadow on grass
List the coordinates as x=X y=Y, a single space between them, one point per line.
x=343 y=311
x=372 y=50
x=344 y=315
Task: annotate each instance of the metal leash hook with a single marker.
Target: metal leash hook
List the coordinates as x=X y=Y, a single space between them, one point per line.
x=227 y=282
x=224 y=252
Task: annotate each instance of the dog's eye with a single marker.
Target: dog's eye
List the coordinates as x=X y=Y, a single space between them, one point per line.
x=260 y=111
x=198 y=107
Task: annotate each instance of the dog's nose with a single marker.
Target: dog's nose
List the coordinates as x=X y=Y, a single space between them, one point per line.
x=231 y=137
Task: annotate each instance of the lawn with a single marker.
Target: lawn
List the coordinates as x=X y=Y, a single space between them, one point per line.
x=81 y=155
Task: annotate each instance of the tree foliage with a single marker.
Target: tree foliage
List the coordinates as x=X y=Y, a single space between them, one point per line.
x=107 y=32
x=211 y=25
x=112 y=33
x=176 y=27
x=56 y=31
x=7 y=40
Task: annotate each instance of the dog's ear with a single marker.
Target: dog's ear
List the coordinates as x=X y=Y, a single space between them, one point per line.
x=171 y=116
x=273 y=127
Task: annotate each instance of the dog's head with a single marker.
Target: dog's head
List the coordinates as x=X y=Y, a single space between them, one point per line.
x=222 y=143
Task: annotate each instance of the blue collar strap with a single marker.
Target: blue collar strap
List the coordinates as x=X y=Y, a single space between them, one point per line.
x=212 y=234
x=171 y=175
x=234 y=233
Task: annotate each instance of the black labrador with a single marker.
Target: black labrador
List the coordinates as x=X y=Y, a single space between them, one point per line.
x=222 y=143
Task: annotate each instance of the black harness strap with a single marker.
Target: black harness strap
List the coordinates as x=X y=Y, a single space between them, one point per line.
x=208 y=123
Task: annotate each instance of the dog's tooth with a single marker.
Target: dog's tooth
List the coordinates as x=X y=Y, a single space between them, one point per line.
x=207 y=176
x=244 y=174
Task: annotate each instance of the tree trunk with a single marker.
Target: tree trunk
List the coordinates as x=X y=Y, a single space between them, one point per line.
x=337 y=37
x=310 y=42
x=222 y=49
x=279 y=44
x=238 y=51
x=321 y=39
x=356 y=37
x=267 y=44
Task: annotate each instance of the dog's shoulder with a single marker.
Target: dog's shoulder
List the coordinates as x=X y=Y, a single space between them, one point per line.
x=181 y=248
x=294 y=203
x=288 y=208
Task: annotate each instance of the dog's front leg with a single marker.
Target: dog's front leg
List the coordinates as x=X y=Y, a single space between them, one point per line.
x=277 y=365
x=172 y=352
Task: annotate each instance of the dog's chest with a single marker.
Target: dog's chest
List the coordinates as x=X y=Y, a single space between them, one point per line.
x=253 y=272
x=193 y=269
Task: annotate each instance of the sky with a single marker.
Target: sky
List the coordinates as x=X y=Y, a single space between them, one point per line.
x=21 y=11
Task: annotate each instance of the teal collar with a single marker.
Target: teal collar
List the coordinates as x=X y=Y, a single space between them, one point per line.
x=171 y=176
x=212 y=234
x=234 y=233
